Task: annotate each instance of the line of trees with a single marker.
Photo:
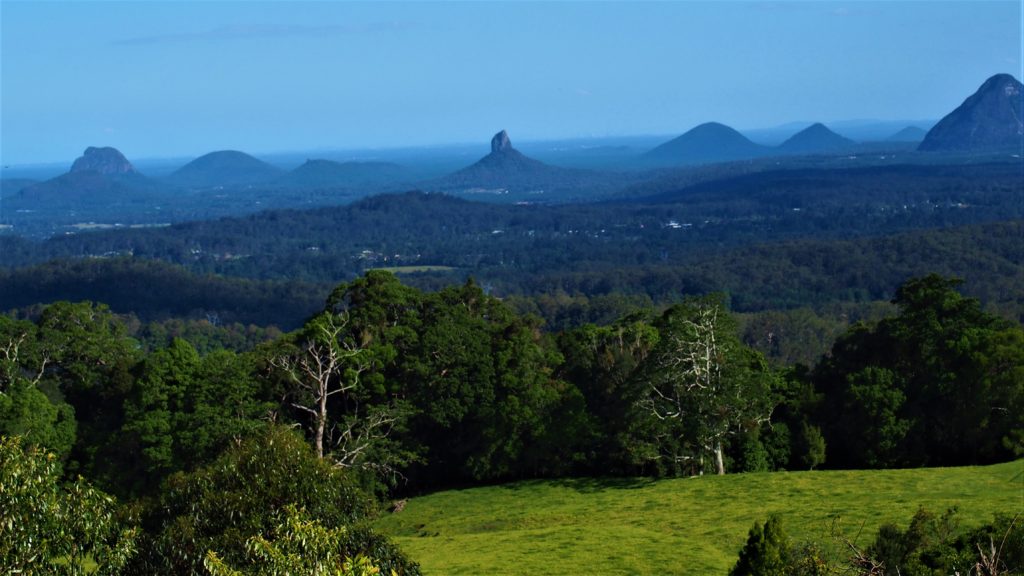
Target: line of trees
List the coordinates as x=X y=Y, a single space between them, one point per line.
x=422 y=390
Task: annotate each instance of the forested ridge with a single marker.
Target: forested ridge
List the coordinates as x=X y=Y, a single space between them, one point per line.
x=777 y=276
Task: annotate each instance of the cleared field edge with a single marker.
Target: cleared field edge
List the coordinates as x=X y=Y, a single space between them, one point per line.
x=684 y=525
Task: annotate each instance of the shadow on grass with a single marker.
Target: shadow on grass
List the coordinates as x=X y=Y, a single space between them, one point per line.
x=586 y=485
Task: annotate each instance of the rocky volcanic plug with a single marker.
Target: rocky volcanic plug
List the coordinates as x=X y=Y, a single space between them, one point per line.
x=504 y=156
x=990 y=119
x=500 y=143
x=105 y=160
x=506 y=169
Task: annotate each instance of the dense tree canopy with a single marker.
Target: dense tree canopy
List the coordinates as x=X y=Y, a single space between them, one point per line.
x=941 y=383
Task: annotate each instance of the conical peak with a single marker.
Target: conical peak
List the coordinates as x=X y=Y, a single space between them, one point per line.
x=500 y=142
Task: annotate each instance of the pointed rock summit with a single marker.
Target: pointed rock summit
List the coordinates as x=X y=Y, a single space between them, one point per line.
x=501 y=143
x=508 y=169
x=105 y=160
x=990 y=119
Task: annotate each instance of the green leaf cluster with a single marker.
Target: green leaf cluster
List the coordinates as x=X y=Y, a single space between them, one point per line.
x=47 y=528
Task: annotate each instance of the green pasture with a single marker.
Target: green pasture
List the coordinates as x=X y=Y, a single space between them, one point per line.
x=676 y=526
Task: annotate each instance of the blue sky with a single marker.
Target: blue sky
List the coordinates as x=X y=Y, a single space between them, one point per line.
x=161 y=79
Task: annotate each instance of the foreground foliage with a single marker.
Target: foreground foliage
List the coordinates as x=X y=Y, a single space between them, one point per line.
x=298 y=545
x=940 y=383
x=47 y=528
x=251 y=492
x=931 y=545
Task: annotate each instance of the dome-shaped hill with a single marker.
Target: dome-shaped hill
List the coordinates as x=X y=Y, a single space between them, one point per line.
x=227 y=168
x=705 y=144
x=328 y=173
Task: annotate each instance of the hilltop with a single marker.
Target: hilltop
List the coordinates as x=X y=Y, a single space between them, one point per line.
x=223 y=168
x=706 y=143
x=100 y=175
x=990 y=119
x=816 y=139
x=506 y=171
x=320 y=173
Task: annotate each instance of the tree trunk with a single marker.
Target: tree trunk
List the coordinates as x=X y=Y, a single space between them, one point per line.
x=321 y=425
x=719 y=459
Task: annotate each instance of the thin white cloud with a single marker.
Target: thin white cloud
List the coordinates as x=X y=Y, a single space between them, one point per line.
x=266 y=31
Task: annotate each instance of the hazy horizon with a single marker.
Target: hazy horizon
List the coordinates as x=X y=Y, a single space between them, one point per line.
x=176 y=79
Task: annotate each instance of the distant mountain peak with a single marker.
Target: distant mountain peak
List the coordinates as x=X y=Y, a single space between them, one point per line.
x=908 y=134
x=1005 y=83
x=224 y=168
x=104 y=160
x=507 y=168
x=990 y=119
x=501 y=143
x=815 y=139
x=705 y=143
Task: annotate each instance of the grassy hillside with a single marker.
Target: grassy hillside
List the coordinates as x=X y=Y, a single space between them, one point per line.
x=677 y=526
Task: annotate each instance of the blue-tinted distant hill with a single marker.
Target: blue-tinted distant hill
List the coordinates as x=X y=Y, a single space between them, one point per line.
x=320 y=173
x=816 y=139
x=100 y=175
x=908 y=134
x=508 y=175
x=705 y=144
x=225 y=168
x=990 y=119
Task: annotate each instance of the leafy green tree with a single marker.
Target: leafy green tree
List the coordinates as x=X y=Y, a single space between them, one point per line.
x=184 y=409
x=298 y=545
x=603 y=362
x=812 y=446
x=25 y=409
x=89 y=361
x=766 y=552
x=49 y=529
x=941 y=383
x=247 y=493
